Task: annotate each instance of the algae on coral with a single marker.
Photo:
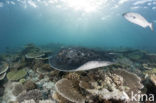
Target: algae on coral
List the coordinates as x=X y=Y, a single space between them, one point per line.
x=16 y=75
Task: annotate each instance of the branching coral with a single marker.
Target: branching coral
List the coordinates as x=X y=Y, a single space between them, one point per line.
x=35 y=94
x=106 y=88
x=99 y=85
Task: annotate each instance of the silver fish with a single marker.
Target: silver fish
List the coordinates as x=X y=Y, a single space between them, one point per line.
x=138 y=19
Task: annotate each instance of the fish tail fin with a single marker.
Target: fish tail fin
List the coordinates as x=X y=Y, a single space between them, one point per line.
x=151 y=26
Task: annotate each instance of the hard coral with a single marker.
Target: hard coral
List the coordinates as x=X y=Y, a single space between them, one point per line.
x=153 y=79
x=3 y=69
x=44 y=69
x=29 y=101
x=34 y=55
x=65 y=88
x=131 y=80
x=1 y=90
x=2 y=76
x=59 y=98
x=29 y=85
x=35 y=94
x=18 y=88
x=105 y=87
x=16 y=75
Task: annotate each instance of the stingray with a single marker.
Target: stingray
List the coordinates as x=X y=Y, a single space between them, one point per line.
x=79 y=59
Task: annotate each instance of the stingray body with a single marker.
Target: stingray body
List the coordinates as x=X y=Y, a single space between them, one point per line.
x=79 y=59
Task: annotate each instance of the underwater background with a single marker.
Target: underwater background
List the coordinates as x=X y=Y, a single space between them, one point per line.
x=82 y=23
x=77 y=51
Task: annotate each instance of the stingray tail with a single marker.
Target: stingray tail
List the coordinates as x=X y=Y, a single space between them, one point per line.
x=151 y=26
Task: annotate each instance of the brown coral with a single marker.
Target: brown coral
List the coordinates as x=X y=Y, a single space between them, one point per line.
x=105 y=86
x=131 y=80
x=59 y=98
x=65 y=88
x=44 y=69
x=35 y=94
x=1 y=90
x=29 y=85
x=18 y=88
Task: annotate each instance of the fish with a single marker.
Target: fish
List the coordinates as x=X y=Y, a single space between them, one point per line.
x=138 y=19
x=93 y=65
x=88 y=66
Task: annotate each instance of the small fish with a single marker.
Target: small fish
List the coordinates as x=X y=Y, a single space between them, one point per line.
x=138 y=19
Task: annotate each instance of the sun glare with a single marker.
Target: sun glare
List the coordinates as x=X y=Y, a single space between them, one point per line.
x=84 y=5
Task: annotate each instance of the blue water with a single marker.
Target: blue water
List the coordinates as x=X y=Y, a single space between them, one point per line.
x=43 y=22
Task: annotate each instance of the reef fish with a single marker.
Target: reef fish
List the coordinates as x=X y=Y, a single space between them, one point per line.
x=138 y=19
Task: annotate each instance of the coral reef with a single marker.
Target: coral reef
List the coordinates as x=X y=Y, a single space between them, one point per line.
x=34 y=55
x=65 y=88
x=18 y=88
x=1 y=90
x=131 y=80
x=44 y=69
x=28 y=101
x=104 y=86
x=35 y=94
x=17 y=74
x=42 y=101
x=59 y=98
x=29 y=85
x=30 y=78
x=153 y=79
x=2 y=76
x=33 y=52
x=17 y=65
x=3 y=69
x=8 y=96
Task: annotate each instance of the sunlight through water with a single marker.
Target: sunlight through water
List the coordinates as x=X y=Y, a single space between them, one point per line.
x=87 y=6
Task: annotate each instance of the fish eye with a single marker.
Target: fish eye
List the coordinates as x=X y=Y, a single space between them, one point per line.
x=134 y=17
